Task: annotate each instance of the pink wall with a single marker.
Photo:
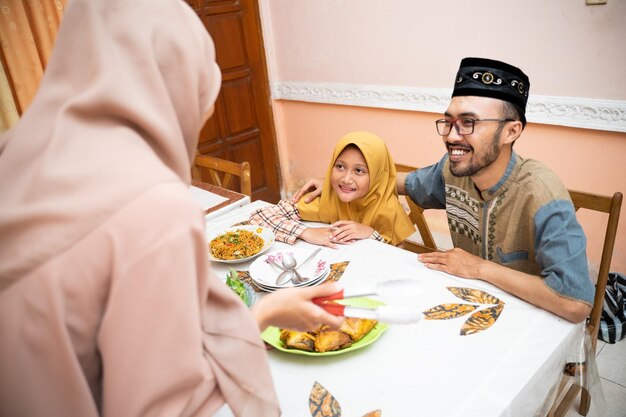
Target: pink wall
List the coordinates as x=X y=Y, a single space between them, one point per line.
x=586 y=160
x=566 y=47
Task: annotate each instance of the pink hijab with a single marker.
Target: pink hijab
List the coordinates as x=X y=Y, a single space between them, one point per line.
x=118 y=111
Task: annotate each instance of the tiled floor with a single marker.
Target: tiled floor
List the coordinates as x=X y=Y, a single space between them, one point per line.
x=611 y=361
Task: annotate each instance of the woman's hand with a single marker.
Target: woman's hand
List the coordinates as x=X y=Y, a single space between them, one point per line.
x=292 y=308
x=314 y=186
x=347 y=231
x=319 y=236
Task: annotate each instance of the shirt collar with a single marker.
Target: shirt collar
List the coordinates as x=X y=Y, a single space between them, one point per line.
x=499 y=187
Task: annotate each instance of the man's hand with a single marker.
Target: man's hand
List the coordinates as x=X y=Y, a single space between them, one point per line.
x=530 y=288
x=347 y=231
x=319 y=236
x=314 y=186
x=454 y=261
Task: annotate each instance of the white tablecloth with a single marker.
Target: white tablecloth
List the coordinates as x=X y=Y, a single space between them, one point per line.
x=427 y=368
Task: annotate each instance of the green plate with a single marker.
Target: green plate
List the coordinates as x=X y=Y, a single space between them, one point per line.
x=271 y=335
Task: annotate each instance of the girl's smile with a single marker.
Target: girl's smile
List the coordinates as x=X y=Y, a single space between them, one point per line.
x=350 y=177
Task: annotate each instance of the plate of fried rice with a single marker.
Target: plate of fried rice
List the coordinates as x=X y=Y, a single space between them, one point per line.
x=239 y=243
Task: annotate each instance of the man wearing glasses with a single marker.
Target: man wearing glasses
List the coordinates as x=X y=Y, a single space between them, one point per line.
x=511 y=219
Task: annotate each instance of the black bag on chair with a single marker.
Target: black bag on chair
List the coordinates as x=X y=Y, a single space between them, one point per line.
x=613 y=320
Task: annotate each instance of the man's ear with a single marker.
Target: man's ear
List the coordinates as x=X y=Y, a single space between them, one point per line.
x=512 y=131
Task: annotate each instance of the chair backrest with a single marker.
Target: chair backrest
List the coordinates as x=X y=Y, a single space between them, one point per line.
x=611 y=206
x=220 y=172
x=416 y=214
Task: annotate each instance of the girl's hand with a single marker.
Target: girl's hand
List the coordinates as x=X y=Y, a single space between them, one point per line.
x=347 y=231
x=319 y=236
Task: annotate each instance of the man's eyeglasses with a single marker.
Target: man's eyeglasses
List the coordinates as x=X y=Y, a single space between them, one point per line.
x=463 y=126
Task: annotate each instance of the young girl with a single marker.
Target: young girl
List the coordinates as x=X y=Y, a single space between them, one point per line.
x=358 y=200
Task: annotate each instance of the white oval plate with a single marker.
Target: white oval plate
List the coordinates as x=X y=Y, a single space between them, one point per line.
x=310 y=283
x=264 y=233
x=265 y=274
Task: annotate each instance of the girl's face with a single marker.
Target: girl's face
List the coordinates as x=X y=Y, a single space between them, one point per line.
x=350 y=177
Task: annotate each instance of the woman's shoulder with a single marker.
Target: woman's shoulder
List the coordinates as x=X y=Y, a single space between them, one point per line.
x=161 y=210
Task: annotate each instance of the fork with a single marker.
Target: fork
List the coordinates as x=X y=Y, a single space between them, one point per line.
x=308 y=258
x=275 y=264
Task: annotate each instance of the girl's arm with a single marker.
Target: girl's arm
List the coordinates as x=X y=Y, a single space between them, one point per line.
x=283 y=219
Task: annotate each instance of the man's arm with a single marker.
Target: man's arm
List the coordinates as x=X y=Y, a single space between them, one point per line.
x=530 y=288
x=312 y=186
x=563 y=288
x=400 y=179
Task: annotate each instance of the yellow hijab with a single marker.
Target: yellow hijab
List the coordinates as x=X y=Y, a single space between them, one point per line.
x=379 y=208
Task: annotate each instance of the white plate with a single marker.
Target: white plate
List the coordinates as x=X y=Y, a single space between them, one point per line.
x=309 y=283
x=265 y=274
x=265 y=234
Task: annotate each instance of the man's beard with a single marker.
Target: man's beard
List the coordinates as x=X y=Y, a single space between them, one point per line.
x=474 y=166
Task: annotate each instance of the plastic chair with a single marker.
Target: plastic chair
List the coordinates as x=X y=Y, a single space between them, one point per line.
x=416 y=214
x=221 y=172
x=610 y=206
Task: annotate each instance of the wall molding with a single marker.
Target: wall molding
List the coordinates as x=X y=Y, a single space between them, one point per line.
x=609 y=115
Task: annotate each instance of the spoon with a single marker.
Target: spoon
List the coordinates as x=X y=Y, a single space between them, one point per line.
x=273 y=263
x=289 y=263
x=284 y=277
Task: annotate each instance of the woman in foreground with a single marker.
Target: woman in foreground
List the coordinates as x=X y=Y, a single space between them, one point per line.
x=107 y=306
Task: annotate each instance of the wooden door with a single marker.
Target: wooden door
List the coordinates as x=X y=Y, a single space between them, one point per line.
x=242 y=127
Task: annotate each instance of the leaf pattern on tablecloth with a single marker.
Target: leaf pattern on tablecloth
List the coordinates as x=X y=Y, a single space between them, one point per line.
x=448 y=311
x=473 y=295
x=322 y=403
x=244 y=276
x=336 y=271
x=481 y=320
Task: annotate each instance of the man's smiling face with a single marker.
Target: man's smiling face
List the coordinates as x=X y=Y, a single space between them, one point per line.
x=471 y=154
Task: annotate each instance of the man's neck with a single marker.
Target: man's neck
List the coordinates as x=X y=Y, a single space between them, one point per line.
x=489 y=176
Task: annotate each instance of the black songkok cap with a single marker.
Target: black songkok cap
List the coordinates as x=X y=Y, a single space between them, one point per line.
x=489 y=78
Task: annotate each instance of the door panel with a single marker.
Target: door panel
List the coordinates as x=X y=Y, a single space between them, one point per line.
x=238 y=100
x=242 y=127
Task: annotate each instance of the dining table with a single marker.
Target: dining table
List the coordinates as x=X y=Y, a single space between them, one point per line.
x=216 y=200
x=475 y=351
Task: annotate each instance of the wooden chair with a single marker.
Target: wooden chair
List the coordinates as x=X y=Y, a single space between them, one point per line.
x=221 y=172
x=416 y=214
x=610 y=206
